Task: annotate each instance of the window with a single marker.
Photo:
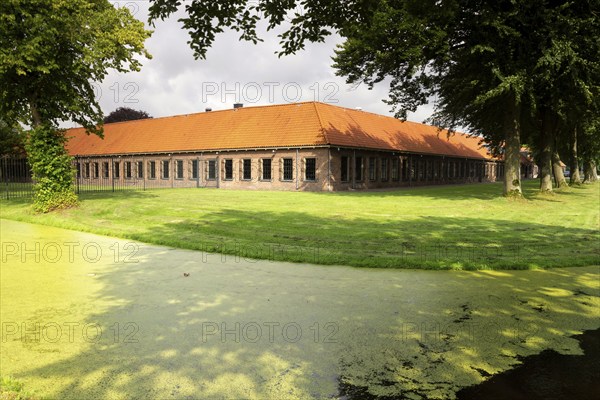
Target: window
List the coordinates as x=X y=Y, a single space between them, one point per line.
x=212 y=170
x=421 y=169
x=152 y=170
x=96 y=170
x=165 y=169
x=78 y=169
x=430 y=168
x=128 y=173
x=266 y=169
x=345 y=164
x=384 y=169
x=395 y=165
x=178 y=169
x=358 y=168
x=86 y=173
x=229 y=170
x=405 y=169
x=247 y=169
x=194 y=169
x=116 y=170
x=310 y=171
x=288 y=169
x=105 y=170
x=372 y=169
x=140 y=169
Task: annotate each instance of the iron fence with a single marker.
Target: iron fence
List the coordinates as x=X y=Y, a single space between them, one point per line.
x=15 y=176
x=110 y=174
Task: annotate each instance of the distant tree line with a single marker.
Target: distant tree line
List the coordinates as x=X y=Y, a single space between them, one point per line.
x=125 y=114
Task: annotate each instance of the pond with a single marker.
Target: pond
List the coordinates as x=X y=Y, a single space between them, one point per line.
x=87 y=316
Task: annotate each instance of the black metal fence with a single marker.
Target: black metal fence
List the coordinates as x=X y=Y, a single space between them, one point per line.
x=15 y=176
x=96 y=175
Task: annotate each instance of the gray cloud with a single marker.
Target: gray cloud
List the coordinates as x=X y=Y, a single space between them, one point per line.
x=173 y=82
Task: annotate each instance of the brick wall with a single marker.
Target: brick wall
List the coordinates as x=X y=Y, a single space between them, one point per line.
x=250 y=170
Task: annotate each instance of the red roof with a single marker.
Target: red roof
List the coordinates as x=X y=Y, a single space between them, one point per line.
x=278 y=126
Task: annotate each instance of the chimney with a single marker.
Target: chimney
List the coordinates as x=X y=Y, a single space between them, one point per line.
x=238 y=105
x=208 y=109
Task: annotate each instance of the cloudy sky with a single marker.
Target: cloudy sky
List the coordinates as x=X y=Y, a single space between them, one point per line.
x=173 y=82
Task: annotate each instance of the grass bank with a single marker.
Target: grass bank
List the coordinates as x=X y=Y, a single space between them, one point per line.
x=449 y=227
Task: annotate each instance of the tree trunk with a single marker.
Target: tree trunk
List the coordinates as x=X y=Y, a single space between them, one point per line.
x=557 y=170
x=512 y=157
x=575 y=178
x=589 y=171
x=546 y=155
x=35 y=113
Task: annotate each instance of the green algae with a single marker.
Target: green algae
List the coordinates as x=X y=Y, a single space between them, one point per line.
x=120 y=320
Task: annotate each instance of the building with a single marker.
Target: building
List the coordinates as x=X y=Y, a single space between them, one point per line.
x=302 y=146
x=529 y=168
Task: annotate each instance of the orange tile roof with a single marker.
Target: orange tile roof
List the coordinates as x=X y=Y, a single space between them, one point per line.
x=288 y=125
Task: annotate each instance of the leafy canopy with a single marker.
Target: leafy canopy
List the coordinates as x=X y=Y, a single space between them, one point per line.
x=51 y=51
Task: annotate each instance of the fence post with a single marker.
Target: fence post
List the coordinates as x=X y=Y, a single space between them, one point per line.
x=78 y=176
x=113 y=174
x=5 y=176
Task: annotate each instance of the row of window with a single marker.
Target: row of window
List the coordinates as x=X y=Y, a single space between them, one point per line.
x=135 y=169
x=384 y=169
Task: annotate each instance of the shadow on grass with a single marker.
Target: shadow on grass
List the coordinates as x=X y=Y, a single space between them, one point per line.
x=373 y=353
x=426 y=242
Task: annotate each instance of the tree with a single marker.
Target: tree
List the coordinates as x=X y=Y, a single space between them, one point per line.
x=590 y=153
x=51 y=52
x=494 y=67
x=11 y=139
x=312 y=20
x=125 y=114
x=455 y=51
x=517 y=68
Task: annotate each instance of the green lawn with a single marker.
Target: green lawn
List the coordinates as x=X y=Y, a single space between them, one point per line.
x=447 y=227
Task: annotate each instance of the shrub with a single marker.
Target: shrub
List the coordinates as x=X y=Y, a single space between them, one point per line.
x=52 y=169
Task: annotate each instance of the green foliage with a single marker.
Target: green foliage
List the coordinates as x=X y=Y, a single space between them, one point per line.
x=52 y=52
x=52 y=169
x=11 y=389
x=125 y=114
x=11 y=139
x=309 y=20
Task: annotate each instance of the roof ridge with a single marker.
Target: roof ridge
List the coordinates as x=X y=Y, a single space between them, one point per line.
x=205 y=112
x=321 y=122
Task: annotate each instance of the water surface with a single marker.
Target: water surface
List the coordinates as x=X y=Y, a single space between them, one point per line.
x=87 y=316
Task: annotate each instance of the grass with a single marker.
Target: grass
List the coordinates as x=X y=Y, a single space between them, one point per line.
x=11 y=389
x=445 y=227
